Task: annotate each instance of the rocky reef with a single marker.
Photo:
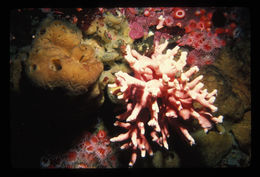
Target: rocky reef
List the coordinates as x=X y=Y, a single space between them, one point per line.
x=81 y=68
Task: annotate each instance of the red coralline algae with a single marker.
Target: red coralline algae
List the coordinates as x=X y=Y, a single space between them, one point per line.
x=139 y=25
x=136 y=31
x=159 y=95
x=152 y=19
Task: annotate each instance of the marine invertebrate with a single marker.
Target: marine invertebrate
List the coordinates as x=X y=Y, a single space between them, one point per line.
x=178 y=13
x=110 y=32
x=201 y=58
x=159 y=95
x=204 y=42
x=199 y=40
x=59 y=60
x=93 y=151
x=56 y=32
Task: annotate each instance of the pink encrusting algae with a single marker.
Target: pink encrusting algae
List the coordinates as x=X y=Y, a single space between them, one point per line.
x=159 y=95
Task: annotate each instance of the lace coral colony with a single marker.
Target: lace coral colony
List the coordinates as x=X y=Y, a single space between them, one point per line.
x=154 y=78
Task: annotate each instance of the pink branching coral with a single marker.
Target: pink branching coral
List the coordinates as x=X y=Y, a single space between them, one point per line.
x=159 y=95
